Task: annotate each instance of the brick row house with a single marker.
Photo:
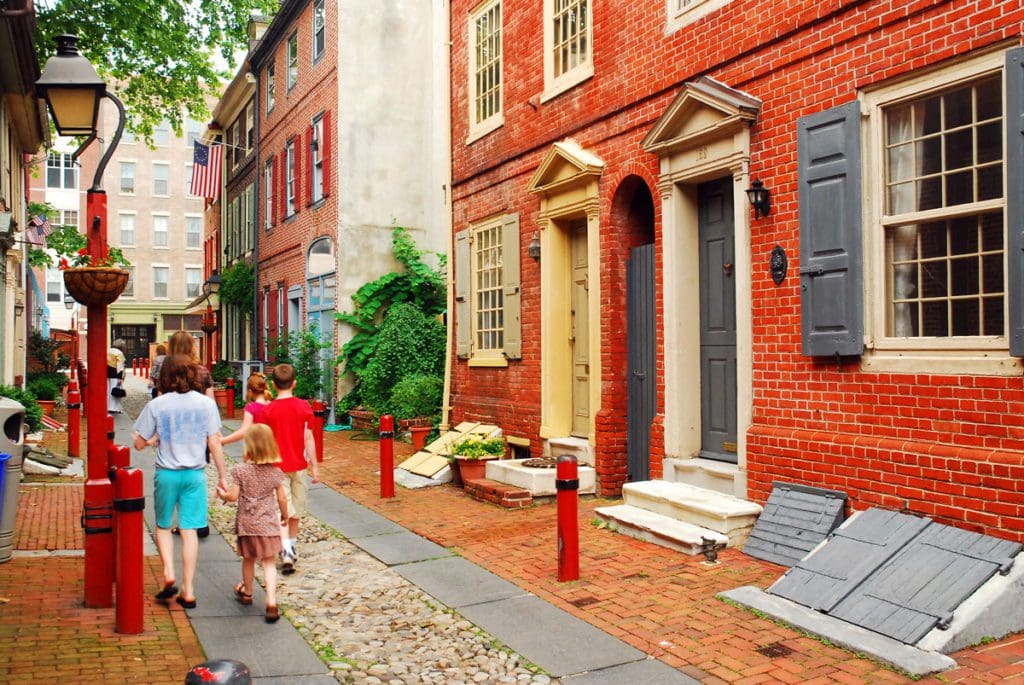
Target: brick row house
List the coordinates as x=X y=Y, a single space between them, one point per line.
x=617 y=294
x=331 y=140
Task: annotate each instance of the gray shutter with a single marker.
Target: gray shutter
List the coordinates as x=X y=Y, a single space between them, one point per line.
x=1015 y=197
x=831 y=263
x=463 y=324
x=510 y=250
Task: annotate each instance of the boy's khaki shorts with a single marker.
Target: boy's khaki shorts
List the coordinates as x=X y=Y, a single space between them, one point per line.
x=296 y=491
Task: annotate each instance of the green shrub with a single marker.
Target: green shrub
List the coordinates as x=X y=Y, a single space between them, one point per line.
x=477 y=447
x=313 y=373
x=415 y=395
x=43 y=388
x=58 y=377
x=221 y=372
x=410 y=342
x=33 y=412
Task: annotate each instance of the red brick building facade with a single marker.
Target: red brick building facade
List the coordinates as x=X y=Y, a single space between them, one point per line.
x=882 y=362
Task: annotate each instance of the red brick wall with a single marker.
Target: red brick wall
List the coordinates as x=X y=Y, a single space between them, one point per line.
x=283 y=247
x=947 y=446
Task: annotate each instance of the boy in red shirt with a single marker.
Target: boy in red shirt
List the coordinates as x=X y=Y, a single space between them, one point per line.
x=291 y=420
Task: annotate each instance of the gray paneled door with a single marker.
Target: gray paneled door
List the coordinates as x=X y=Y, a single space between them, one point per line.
x=640 y=381
x=717 y=320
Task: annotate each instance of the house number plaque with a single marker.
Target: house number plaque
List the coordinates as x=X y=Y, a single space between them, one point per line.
x=778 y=264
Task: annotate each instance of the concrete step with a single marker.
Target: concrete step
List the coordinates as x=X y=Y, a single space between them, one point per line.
x=731 y=516
x=540 y=482
x=661 y=530
x=704 y=473
x=578 y=447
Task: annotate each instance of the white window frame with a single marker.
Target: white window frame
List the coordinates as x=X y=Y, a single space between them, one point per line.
x=121 y=216
x=193 y=132
x=122 y=166
x=65 y=165
x=682 y=13
x=319 y=39
x=189 y=170
x=54 y=285
x=166 y=220
x=271 y=87
x=492 y=355
x=974 y=354
x=317 y=155
x=162 y=134
x=556 y=85
x=189 y=218
x=167 y=180
x=129 y=290
x=291 y=58
x=268 y=194
x=478 y=129
x=166 y=270
x=289 y=178
x=195 y=270
x=282 y=302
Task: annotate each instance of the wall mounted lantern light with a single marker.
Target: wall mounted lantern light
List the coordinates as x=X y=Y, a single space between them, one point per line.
x=760 y=199
x=69 y=302
x=212 y=284
x=534 y=247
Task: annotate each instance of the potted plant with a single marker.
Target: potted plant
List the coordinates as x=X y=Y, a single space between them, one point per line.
x=473 y=452
x=219 y=374
x=46 y=392
x=415 y=403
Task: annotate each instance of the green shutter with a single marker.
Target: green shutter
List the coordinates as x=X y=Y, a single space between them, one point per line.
x=463 y=324
x=1015 y=197
x=510 y=250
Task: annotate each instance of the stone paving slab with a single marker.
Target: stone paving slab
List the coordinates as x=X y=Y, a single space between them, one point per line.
x=267 y=649
x=400 y=548
x=457 y=582
x=558 y=642
x=345 y=516
x=215 y=596
x=298 y=680
x=648 y=672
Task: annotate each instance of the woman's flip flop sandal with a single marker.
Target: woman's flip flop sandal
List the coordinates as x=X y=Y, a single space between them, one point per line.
x=167 y=593
x=241 y=595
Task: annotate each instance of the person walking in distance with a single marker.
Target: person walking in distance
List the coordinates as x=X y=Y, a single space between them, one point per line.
x=291 y=420
x=258 y=487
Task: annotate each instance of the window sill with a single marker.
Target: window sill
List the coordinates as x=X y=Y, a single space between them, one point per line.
x=567 y=82
x=493 y=362
x=958 y=362
x=481 y=130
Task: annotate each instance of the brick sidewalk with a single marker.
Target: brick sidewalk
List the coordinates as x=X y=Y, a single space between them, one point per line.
x=659 y=601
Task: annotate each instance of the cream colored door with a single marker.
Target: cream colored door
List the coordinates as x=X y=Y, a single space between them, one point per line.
x=580 y=332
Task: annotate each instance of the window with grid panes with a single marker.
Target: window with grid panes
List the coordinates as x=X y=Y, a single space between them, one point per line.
x=61 y=171
x=128 y=177
x=943 y=212
x=319 y=29
x=268 y=194
x=162 y=133
x=127 y=229
x=54 y=285
x=570 y=31
x=68 y=217
x=160 y=274
x=485 y=68
x=269 y=96
x=193 y=278
x=250 y=128
x=193 y=231
x=194 y=130
x=318 y=158
x=129 y=290
x=293 y=60
x=290 y=177
x=488 y=291
x=161 y=179
x=160 y=230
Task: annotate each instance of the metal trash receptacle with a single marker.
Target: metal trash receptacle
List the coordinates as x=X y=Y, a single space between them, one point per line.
x=12 y=420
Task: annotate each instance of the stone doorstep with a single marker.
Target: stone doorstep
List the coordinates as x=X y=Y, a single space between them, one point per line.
x=539 y=482
x=661 y=530
x=507 y=496
x=577 y=447
x=725 y=514
x=702 y=473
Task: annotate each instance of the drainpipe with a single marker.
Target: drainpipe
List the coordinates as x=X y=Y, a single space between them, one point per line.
x=449 y=345
x=257 y=311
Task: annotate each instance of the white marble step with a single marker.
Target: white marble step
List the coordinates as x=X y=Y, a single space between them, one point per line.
x=731 y=516
x=578 y=447
x=540 y=482
x=661 y=530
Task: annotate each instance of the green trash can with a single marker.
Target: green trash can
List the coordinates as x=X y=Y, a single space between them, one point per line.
x=12 y=419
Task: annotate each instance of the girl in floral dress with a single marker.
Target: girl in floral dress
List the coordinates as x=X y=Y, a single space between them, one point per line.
x=258 y=487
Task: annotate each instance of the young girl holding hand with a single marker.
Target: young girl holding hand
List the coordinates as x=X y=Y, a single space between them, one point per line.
x=257 y=398
x=258 y=487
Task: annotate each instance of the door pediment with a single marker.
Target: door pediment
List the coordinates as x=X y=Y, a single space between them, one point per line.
x=566 y=165
x=704 y=110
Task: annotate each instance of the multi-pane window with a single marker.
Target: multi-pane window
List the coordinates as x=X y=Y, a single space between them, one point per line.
x=160 y=274
x=319 y=29
x=317 y=155
x=129 y=290
x=61 y=171
x=250 y=128
x=269 y=96
x=54 y=285
x=193 y=277
x=485 y=66
x=488 y=291
x=943 y=212
x=162 y=133
x=189 y=170
x=234 y=147
x=127 y=137
x=161 y=179
x=194 y=131
x=290 y=177
x=293 y=60
x=66 y=217
x=193 y=231
x=280 y=309
x=570 y=28
x=268 y=194
x=160 y=230
x=126 y=224
x=128 y=177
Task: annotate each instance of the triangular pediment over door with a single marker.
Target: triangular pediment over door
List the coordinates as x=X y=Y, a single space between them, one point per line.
x=565 y=165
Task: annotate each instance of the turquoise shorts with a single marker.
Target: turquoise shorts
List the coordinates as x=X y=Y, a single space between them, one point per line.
x=183 y=489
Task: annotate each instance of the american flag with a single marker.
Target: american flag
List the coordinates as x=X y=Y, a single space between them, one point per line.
x=206 y=171
x=39 y=228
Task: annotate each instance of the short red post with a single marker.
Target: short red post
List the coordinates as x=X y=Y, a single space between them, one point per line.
x=118 y=457
x=135 y=366
x=128 y=505
x=319 y=417
x=567 y=484
x=387 y=456
x=109 y=423
x=230 y=409
x=145 y=367
x=74 y=419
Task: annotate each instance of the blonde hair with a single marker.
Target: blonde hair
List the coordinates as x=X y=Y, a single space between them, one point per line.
x=260 y=447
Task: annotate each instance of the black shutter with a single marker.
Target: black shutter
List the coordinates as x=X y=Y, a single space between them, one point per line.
x=831 y=252
x=1015 y=197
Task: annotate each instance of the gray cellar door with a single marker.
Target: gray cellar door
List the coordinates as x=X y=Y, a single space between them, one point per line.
x=640 y=381
x=717 y=320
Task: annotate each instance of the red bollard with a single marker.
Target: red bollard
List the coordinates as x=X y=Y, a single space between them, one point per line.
x=128 y=505
x=74 y=419
x=567 y=484
x=319 y=417
x=135 y=366
x=118 y=457
x=387 y=456
x=145 y=367
x=230 y=409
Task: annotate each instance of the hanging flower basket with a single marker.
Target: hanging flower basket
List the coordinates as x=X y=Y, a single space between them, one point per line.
x=208 y=328
x=95 y=285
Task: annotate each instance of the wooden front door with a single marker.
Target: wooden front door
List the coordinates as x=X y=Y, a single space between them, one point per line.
x=580 y=332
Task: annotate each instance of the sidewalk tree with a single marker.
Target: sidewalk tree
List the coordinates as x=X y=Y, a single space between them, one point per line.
x=160 y=58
